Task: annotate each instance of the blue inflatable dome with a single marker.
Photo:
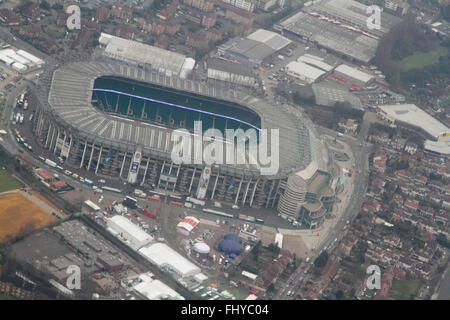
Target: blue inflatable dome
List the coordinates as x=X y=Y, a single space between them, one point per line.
x=233 y=237
x=230 y=247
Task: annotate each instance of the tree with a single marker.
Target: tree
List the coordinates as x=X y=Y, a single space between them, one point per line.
x=339 y=294
x=321 y=260
x=274 y=248
x=44 y=5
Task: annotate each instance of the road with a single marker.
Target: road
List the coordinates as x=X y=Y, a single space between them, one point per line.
x=361 y=151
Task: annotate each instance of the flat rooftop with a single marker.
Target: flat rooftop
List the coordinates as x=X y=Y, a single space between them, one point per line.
x=413 y=115
x=331 y=36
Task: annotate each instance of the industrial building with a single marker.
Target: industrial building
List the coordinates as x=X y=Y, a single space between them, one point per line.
x=437 y=148
x=147 y=287
x=352 y=13
x=128 y=232
x=328 y=95
x=165 y=258
x=256 y=47
x=96 y=253
x=20 y=60
x=315 y=62
x=355 y=75
x=339 y=26
x=304 y=71
x=412 y=117
x=237 y=73
x=143 y=55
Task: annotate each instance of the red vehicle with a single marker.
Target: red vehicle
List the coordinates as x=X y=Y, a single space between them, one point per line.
x=150 y=214
x=175 y=203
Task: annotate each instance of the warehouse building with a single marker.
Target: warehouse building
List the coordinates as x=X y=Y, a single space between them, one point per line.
x=256 y=47
x=359 y=77
x=130 y=233
x=144 y=55
x=339 y=26
x=412 y=117
x=304 y=71
x=97 y=253
x=20 y=60
x=237 y=73
x=352 y=13
x=168 y=259
x=437 y=148
x=315 y=62
x=147 y=287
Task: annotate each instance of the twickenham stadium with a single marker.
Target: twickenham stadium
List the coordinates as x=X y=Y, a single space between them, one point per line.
x=116 y=121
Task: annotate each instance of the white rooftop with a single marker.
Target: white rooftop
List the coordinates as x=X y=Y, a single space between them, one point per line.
x=140 y=53
x=165 y=257
x=305 y=70
x=315 y=62
x=128 y=226
x=309 y=171
x=272 y=39
x=413 y=115
x=441 y=147
x=354 y=73
x=153 y=289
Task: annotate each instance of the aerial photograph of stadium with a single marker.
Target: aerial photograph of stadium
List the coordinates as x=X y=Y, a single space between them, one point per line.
x=234 y=150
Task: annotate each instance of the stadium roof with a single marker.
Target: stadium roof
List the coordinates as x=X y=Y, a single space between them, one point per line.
x=153 y=289
x=413 y=115
x=228 y=66
x=140 y=53
x=69 y=99
x=354 y=73
x=165 y=257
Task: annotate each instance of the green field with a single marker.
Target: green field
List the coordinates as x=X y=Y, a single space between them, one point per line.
x=419 y=59
x=7 y=182
x=404 y=289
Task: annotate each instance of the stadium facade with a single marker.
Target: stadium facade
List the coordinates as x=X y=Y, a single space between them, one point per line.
x=115 y=140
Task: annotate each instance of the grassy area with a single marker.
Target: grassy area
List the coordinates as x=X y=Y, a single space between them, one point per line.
x=420 y=59
x=7 y=182
x=404 y=289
